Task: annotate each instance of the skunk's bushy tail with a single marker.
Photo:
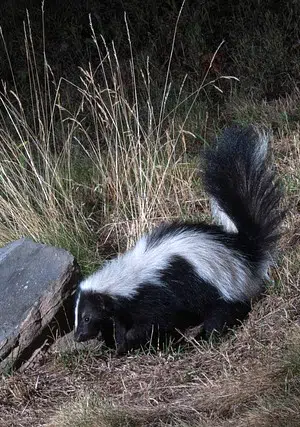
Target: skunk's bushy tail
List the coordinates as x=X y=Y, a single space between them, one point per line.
x=245 y=194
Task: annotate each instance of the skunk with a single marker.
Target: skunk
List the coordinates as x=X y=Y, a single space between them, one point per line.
x=186 y=274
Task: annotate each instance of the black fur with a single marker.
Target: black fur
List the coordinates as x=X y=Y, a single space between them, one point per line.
x=246 y=190
x=155 y=311
x=158 y=312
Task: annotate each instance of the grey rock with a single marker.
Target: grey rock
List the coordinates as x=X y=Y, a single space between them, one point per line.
x=36 y=287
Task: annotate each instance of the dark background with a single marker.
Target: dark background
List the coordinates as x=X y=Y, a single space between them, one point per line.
x=261 y=38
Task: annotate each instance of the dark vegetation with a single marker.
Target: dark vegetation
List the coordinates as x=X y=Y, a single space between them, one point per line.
x=261 y=41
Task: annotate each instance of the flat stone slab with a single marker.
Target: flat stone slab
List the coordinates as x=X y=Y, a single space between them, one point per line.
x=36 y=285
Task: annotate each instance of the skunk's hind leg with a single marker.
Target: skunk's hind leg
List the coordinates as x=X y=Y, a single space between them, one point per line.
x=224 y=315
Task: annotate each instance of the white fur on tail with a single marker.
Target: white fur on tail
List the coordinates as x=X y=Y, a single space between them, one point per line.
x=221 y=218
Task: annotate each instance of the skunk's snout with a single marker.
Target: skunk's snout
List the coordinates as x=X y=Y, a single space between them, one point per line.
x=79 y=336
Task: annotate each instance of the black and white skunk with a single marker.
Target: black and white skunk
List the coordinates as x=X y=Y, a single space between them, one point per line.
x=182 y=274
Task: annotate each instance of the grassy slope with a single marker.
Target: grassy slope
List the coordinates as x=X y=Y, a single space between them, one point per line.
x=92 y=174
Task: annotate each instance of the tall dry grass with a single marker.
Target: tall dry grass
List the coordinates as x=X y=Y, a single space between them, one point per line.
x=108 y=167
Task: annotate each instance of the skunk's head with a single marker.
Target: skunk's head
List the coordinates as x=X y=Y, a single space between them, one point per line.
x=92 y=310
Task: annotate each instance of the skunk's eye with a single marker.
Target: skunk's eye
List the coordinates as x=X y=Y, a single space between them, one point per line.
x=86 y=319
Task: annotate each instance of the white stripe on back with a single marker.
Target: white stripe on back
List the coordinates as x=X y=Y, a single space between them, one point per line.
x=212 y=260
